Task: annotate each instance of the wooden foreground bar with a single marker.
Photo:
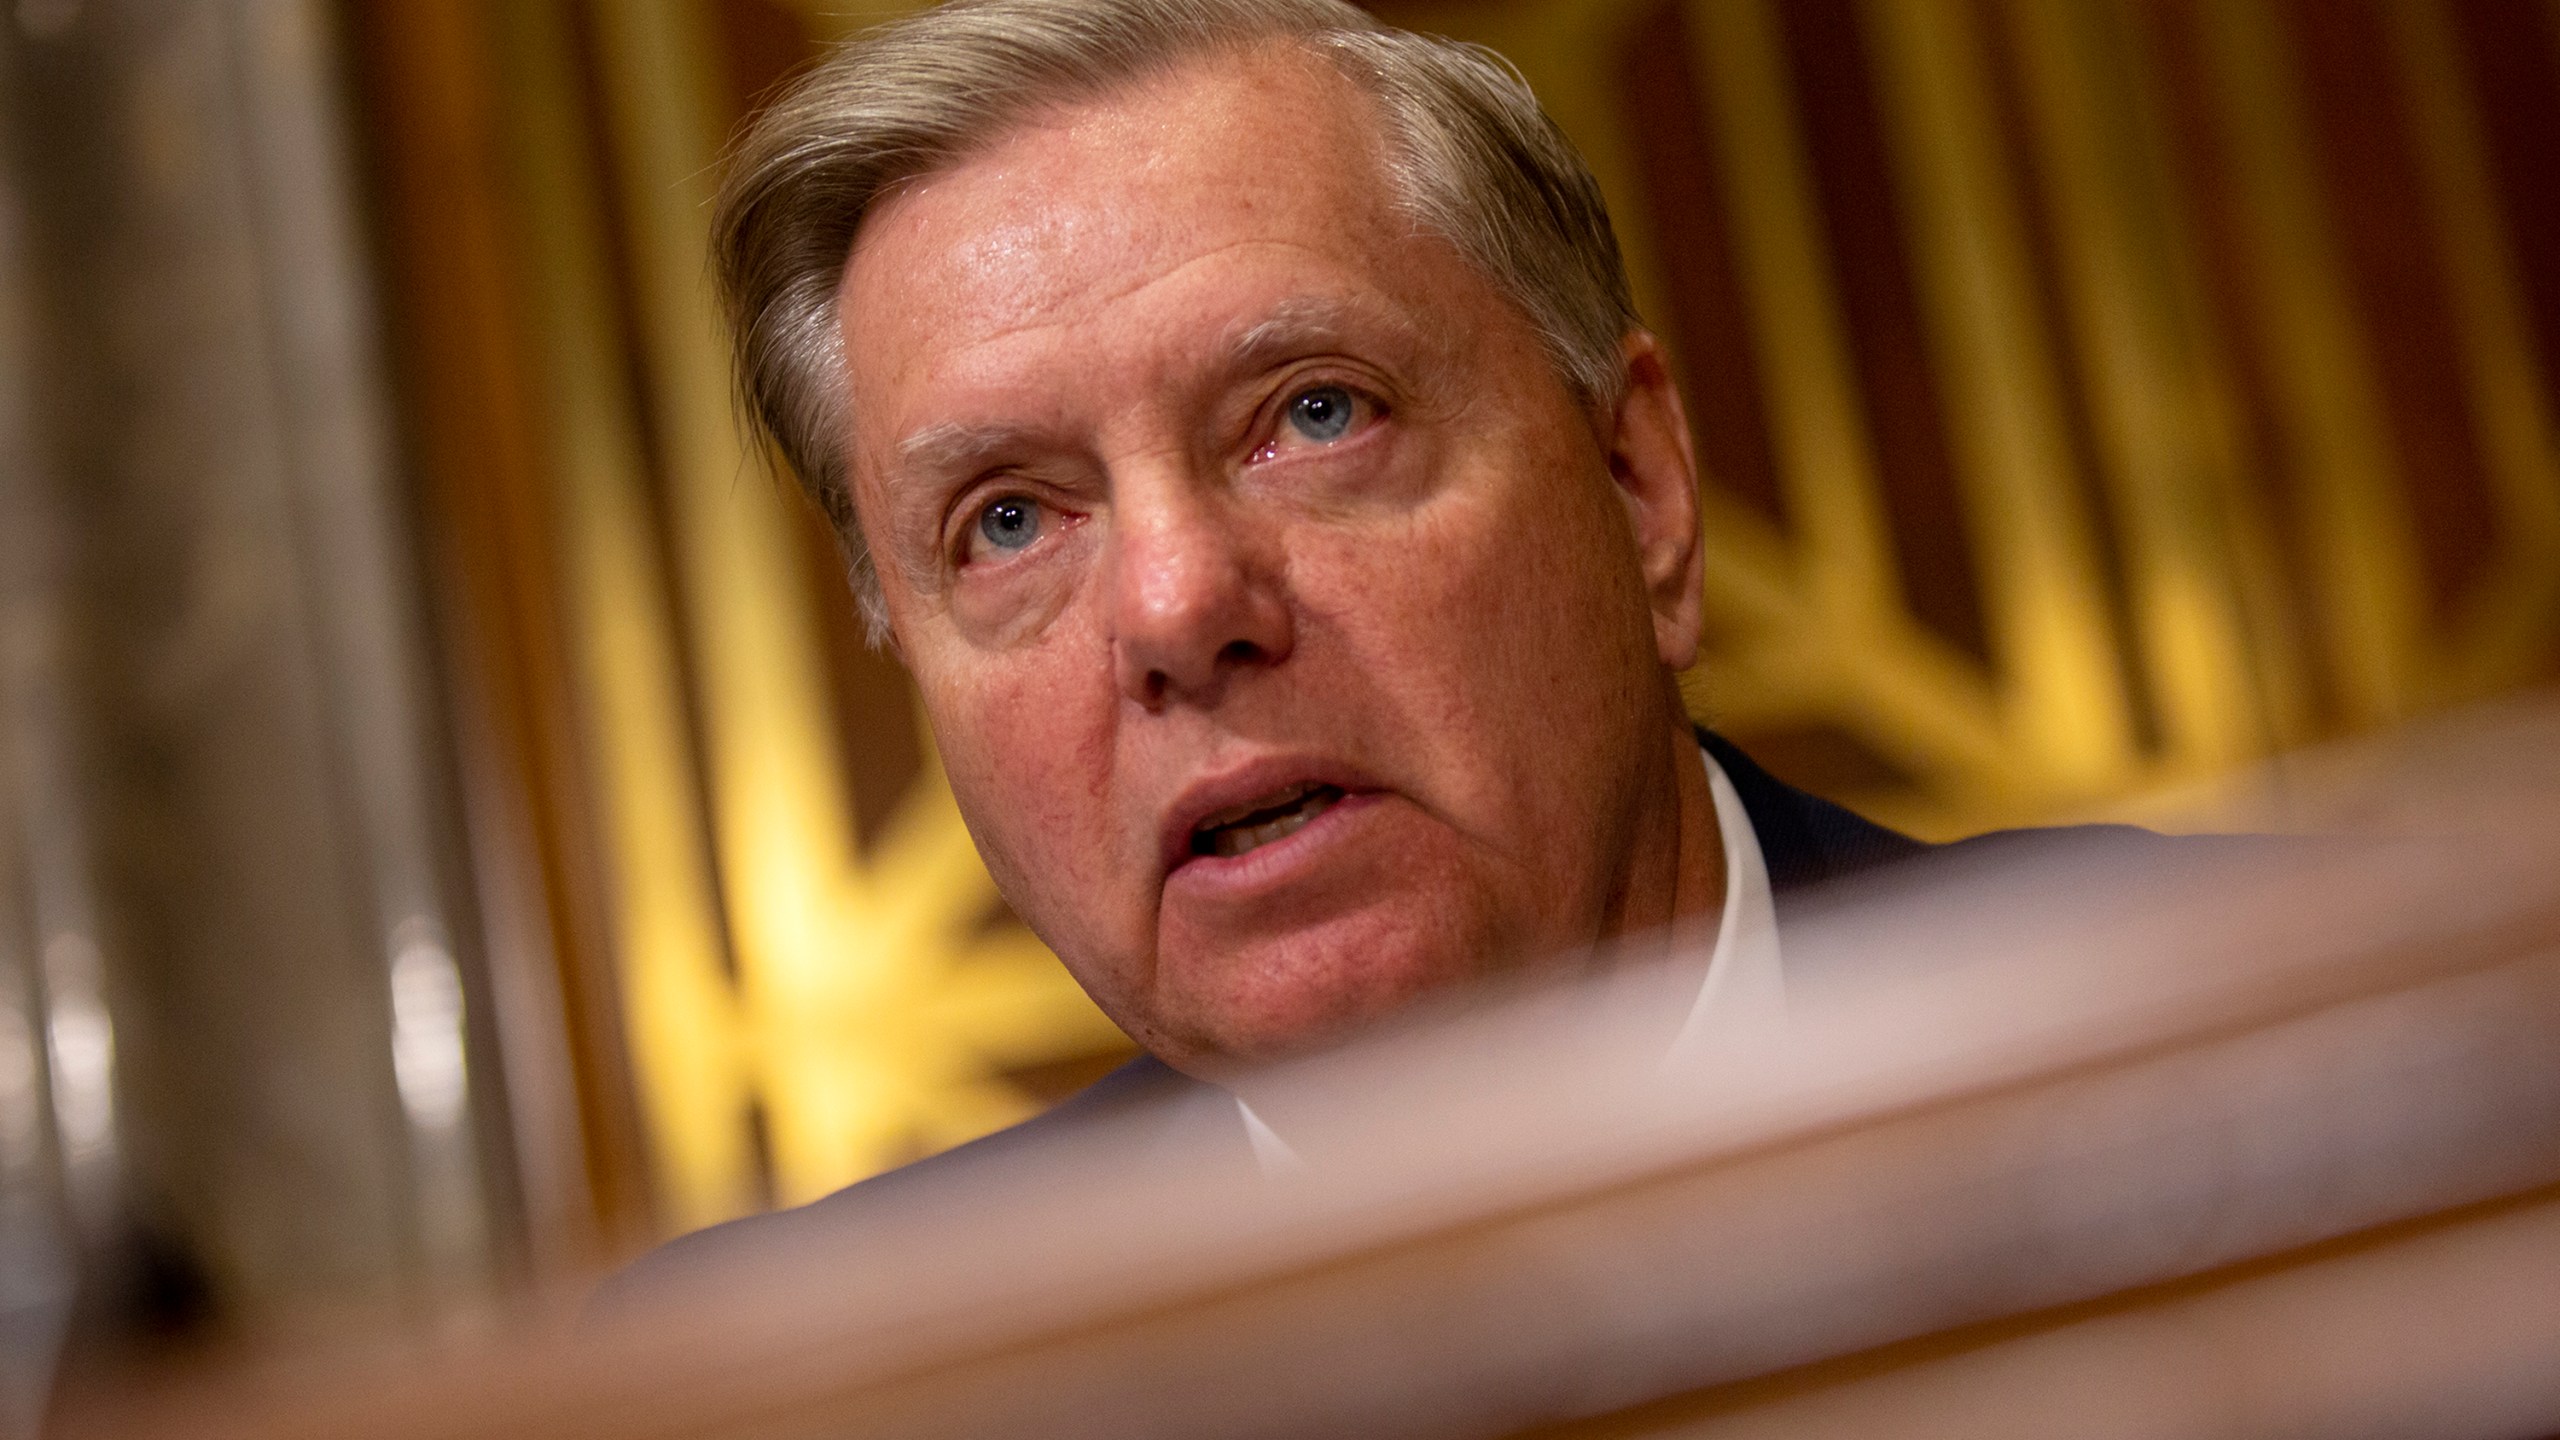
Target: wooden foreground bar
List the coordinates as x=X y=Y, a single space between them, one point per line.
x=2442 y=1329
x=2103 y=1139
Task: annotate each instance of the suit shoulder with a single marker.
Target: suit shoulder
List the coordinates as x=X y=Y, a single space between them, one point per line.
x=671 y=1265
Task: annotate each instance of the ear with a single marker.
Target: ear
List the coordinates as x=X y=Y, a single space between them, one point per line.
x=1656 y=468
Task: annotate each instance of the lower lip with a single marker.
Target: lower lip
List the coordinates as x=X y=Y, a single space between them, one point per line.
x=1267 y=867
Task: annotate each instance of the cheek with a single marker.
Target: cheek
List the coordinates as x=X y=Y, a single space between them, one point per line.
x=1010 y=769
x=1027 y=753
x=1506 y=636
x=1519 y=581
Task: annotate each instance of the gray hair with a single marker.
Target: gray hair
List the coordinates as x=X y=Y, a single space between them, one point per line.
x=1472 y=157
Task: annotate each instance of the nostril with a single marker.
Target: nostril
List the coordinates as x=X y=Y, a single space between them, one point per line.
x=1239 y=652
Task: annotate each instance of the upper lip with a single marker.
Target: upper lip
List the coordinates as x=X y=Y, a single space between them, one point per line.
x=1241 y=788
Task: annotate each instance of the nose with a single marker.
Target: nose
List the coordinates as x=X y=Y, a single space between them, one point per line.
x=1197 y=595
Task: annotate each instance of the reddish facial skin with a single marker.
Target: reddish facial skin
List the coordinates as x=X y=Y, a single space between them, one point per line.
x=1462 y=610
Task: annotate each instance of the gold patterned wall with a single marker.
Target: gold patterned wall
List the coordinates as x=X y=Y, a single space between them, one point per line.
x=2094 y=394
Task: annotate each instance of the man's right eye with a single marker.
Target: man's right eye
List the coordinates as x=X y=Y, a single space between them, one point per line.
x=1009 y=522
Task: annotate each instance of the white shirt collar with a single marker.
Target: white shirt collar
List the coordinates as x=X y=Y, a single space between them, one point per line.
x=1742 y=1004
x=1743 y=1000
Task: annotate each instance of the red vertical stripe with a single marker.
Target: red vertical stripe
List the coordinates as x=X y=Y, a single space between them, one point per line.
x=2216 y=206
x=2070 y=382
x=1897 y=380
x=2360 y=127
x=2513 y=58
x=1710 y=321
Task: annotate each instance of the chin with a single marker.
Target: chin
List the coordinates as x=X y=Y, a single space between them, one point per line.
x=1292 y=993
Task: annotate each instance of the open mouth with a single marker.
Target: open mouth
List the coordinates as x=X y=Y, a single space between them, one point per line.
x=1250 y=827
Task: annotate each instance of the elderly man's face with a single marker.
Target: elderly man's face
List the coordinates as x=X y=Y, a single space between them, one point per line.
x=1293 y=639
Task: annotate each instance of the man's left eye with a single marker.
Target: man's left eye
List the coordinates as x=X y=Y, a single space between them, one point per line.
x=1323 y=414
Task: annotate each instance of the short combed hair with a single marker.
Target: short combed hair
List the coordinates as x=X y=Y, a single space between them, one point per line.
x=1472 y=158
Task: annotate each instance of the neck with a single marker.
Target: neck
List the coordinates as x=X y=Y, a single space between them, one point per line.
x=1676 y=886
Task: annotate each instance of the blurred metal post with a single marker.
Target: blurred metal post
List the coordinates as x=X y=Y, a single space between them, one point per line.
x=250 y=858
x=43 y=891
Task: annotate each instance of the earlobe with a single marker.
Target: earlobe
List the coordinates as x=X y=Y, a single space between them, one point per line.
x=1655 y=465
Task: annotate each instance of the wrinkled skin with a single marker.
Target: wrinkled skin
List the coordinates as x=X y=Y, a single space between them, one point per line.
x=1197 y=477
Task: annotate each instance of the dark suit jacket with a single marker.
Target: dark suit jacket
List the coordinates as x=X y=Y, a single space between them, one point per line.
x=1807 y=842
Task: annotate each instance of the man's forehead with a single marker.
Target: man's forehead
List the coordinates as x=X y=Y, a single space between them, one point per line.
x=1063 y=212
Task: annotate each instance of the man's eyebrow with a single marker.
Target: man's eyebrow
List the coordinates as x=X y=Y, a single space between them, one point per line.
x=1292 y=328
x=1296 y=327
x=952 y=446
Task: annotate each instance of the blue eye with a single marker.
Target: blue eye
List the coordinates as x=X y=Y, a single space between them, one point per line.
x=1323 y=414
x=1010 y=522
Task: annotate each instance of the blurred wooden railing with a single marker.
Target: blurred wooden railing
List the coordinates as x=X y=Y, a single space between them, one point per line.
x=2103 y=1136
